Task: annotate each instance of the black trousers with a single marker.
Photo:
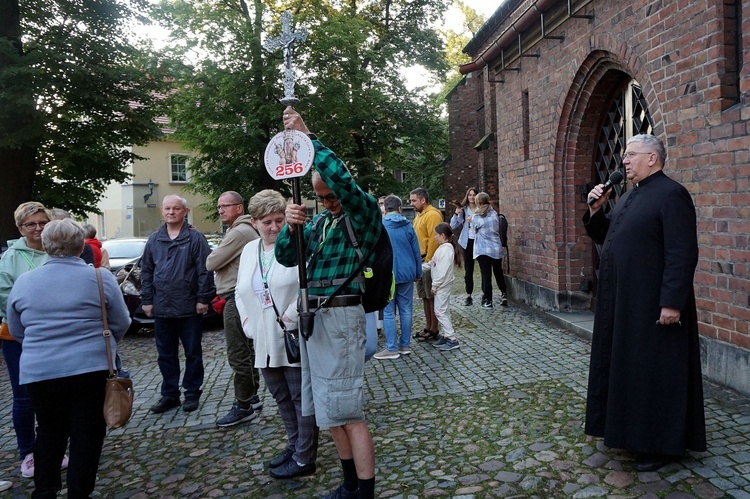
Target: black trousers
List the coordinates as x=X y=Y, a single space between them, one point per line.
x=469 y=266
x=487 y=267
x=68 y=408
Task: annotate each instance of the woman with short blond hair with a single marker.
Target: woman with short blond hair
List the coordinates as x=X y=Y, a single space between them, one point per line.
x=23 y=255
x=265 y=288
x=64 y=365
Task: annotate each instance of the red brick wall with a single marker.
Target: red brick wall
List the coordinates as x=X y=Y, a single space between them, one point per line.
x=683 y=55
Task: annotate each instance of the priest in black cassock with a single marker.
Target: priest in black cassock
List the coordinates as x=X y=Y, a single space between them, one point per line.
x=645 y=390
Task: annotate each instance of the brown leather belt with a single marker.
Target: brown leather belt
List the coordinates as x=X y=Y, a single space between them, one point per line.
x=337 y=301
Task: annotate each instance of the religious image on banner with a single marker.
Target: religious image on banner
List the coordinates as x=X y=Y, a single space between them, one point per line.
x=289 y=154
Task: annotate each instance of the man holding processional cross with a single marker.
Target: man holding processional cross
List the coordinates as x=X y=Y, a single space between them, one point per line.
x=333 y=352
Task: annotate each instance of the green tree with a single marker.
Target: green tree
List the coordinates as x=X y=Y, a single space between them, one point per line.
x=352 y=93
x=74 y=95
x=455 y=41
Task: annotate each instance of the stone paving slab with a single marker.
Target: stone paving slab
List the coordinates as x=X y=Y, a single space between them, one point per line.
x=500 y=417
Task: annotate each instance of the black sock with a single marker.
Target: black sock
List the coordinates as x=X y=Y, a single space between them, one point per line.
x=367 y=488
x=350 y=474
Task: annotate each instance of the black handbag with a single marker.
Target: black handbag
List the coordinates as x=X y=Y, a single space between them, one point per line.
x=291 y=336
x=291 y=343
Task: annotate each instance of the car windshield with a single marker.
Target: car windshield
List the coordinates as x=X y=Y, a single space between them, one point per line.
x=124 y=249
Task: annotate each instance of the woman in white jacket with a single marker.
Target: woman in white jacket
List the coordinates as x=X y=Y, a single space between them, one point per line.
x=261 y=283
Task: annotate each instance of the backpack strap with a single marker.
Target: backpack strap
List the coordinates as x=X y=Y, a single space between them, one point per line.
x=354 y=276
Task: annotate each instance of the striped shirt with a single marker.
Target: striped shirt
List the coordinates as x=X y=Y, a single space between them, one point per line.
x=332 y=256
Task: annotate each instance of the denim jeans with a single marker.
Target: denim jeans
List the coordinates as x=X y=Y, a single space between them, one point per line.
x=168 y=333
x=23 y=411
x=241 y=356
x=68 y=408
x=402 y=299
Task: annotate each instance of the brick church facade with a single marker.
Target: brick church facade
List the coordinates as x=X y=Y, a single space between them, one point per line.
x=555 y=89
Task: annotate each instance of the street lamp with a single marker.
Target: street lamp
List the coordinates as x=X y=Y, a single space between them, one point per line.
x=150 y=192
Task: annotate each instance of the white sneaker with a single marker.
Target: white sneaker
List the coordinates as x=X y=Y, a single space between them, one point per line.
x=5 y=485
x=27 y=466
x=387 y=355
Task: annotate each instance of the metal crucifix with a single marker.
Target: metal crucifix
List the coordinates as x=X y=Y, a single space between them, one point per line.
x=287 y=40
x=290 y=155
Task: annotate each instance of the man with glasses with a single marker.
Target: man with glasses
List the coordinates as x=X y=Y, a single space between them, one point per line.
x=225 y=262
x=333 y=357
x=645 y=392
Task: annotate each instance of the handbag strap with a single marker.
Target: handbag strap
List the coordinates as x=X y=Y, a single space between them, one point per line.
x=107 y=333
x=276 y=310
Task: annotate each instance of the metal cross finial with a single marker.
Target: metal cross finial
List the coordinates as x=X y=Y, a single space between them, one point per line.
x=287 y=40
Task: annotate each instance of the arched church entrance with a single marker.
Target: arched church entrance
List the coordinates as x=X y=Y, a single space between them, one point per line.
x=604 y=108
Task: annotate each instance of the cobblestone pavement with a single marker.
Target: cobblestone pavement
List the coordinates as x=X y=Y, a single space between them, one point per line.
x=500 y=417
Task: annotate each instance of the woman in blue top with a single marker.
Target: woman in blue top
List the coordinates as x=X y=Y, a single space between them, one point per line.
x=488 y=249
x=55 y=314
x=463 y=216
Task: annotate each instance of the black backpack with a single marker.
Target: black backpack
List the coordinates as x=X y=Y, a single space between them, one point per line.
x=504 y=236
x=503 y=229
x=380 y=283
x=377 y=279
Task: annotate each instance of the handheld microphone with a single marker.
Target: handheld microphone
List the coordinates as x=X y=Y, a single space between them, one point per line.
x=614 y=179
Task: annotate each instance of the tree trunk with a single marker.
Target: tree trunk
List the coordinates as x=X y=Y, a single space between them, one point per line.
x=17 y=161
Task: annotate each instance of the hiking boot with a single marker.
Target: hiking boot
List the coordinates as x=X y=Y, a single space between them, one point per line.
x=468 y=301
x=236 y=415
x=503 y=300
x=449 y=345
x=387 y=355
x=164 y=404
x=404 y=350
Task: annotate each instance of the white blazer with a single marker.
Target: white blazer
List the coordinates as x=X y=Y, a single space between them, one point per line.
x=258 y=323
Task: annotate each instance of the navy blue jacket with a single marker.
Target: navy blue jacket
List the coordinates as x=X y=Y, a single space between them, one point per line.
x=173 y=272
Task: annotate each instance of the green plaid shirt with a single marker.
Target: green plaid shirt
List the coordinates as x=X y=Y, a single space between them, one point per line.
x=337 y=258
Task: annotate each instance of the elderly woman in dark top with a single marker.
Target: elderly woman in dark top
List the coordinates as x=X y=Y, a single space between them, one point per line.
x=55 y=313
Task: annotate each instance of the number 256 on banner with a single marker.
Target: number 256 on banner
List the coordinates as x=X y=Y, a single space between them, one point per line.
x=290 y=154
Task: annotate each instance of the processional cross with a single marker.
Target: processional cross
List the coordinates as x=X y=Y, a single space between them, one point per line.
x=287 y=40
x=295 y=153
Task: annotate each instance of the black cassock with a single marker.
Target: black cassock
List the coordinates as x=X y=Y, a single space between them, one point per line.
x=645 y=390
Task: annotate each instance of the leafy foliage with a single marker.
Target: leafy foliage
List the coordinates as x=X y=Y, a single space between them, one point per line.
x=77 y=95
x=455 y=41
x=352 y=93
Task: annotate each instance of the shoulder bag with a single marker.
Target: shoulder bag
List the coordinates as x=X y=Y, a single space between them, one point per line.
x=119 y=393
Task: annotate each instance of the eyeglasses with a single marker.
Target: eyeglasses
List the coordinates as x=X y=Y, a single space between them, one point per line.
x=225 y=206
x=328 y=197
x=630 y=154
x=33 y=225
